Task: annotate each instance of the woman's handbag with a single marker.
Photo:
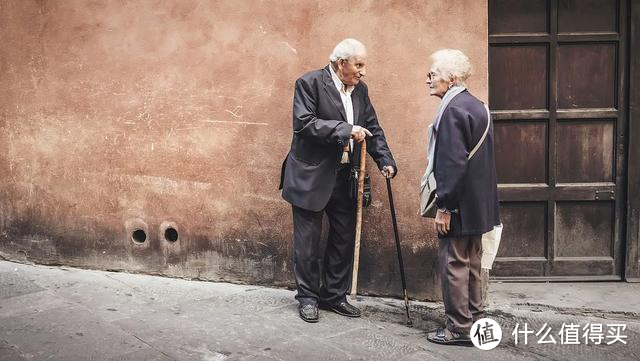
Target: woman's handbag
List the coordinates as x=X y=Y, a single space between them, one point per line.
x=428 y=195
x=428 y=184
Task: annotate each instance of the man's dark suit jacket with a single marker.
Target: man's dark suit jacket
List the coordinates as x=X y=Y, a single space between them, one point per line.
x=466 y=185
x=320 y=131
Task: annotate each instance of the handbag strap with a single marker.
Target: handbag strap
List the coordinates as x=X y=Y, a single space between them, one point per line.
x=475 y=149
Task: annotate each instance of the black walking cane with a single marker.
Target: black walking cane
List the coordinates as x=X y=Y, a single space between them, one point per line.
x=395 y=232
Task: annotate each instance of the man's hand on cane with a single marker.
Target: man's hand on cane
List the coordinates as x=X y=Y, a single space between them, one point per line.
x=388 y=171
x=358 y=133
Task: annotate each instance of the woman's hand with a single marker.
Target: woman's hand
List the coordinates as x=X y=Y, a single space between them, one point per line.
x=443 y=222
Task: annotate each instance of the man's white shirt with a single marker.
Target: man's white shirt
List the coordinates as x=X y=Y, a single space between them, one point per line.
x=345 y=95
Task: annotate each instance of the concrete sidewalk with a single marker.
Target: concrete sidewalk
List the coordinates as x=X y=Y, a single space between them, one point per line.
x=53 y=313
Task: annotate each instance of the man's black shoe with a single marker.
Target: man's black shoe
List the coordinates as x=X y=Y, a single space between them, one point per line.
x=343 y=308
x=308 y=312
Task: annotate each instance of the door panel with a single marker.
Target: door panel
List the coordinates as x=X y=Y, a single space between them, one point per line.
x=512 y=140
x=522 y=70
x=585 y=151
x=587 y=16
x=587 y=76
x=525 y=237
x=584 y=229
x=518 y=16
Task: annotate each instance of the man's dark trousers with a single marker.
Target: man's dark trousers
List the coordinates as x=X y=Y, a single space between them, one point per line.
x=335 y=261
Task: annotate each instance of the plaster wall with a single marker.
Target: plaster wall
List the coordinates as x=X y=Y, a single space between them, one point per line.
x=125 y=115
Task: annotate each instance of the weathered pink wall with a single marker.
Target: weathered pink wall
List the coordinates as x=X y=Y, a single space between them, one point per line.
x=124 y=114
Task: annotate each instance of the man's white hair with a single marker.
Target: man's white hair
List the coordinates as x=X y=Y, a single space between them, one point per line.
x=451 y=64
x=347 y=49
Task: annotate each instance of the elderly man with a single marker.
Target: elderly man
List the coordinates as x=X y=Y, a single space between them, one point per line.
x=332 y=115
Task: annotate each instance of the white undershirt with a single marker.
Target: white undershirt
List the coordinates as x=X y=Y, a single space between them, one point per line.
x=345 y=94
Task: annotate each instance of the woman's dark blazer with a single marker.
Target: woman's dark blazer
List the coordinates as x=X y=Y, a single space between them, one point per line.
x=468 y=186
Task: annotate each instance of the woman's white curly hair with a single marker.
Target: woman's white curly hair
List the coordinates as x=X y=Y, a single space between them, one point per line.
x=451 y=64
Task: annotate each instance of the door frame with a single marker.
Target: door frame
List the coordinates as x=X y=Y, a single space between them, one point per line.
x=632 y=259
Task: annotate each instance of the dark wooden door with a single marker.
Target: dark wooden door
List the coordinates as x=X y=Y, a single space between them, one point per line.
x=556 y=89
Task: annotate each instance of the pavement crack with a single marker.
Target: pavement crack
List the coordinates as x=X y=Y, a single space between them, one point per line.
x=152 y=347
x=119 y=281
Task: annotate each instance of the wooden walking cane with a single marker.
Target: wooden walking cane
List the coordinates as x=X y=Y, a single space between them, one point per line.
x=356 y=253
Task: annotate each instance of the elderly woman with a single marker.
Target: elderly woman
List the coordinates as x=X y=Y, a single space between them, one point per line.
x=461 y=149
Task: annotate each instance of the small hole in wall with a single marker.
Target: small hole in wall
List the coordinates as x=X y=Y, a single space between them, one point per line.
x=170 y=234
x=139 y=236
